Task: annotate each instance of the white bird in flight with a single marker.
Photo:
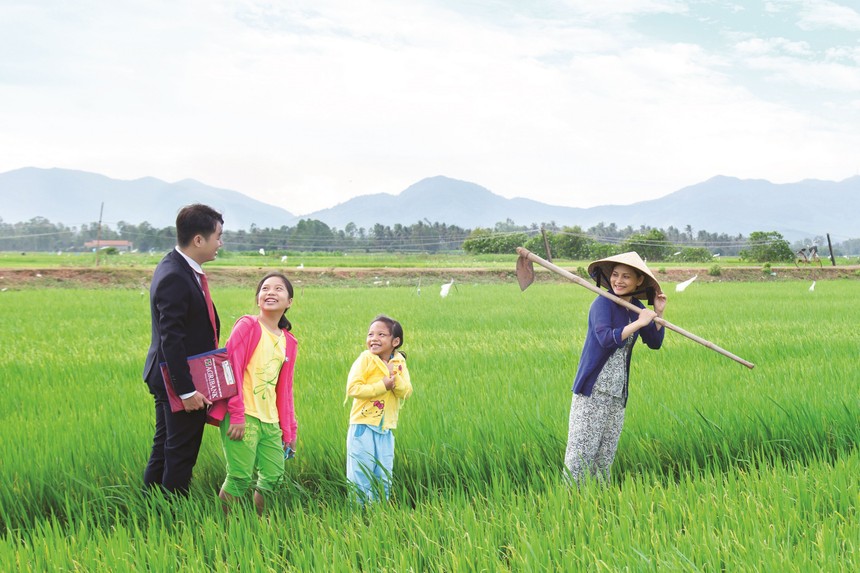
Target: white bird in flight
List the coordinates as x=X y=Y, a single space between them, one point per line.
x=445 y=288
x=681 y=286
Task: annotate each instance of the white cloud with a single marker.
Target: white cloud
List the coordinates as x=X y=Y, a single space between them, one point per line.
x=754 y=47
x=829 y=76
x=795 y=63
x=627 y=7
x=843 y=53
x=822 y=14
x=305 y=104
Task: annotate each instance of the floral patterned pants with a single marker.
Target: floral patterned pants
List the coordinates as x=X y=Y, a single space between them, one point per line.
x=594 y=429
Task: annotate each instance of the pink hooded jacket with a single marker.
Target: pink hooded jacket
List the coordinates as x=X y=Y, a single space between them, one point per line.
x=240 y=347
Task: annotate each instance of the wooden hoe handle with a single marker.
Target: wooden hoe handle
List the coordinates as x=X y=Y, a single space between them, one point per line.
x=528 y=255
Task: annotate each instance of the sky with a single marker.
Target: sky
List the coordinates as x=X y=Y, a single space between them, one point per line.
x=304 y=104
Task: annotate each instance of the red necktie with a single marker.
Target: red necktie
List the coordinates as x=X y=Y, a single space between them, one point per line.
x=209 y=306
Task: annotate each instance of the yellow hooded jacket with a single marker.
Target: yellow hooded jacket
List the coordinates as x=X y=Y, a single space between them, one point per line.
x=372 y=404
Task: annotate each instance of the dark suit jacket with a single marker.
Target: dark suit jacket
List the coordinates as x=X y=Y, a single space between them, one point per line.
x=180 y=324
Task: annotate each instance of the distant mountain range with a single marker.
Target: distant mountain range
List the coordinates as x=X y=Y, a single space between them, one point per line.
x=75 y=197
x=798 y=211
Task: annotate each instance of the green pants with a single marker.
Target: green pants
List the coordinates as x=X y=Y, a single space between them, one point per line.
x=260 y=449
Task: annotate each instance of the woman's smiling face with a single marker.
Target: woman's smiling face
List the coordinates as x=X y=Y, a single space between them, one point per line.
x=625 y=280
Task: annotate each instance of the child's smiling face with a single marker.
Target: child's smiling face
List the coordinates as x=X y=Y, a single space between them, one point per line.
x=379 y=340
x=273 y=295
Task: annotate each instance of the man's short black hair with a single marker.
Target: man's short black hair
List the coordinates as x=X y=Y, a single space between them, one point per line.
x=196 y=219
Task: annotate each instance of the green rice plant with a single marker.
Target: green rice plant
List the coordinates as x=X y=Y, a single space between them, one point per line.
x=718 y=466
x=792 y=517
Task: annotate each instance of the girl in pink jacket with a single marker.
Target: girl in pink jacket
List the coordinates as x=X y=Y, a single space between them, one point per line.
x=258 y=425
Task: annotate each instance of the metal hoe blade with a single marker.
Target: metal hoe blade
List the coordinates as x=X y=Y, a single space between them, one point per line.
x=525 y=272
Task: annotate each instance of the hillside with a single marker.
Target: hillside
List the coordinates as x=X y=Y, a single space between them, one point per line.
x=75 y=198
x=721 y=204
x=799 y=211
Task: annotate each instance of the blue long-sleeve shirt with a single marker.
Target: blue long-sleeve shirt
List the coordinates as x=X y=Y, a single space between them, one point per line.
x=606 y=320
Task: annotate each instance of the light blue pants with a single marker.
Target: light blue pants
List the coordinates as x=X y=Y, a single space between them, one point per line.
x=369 y=462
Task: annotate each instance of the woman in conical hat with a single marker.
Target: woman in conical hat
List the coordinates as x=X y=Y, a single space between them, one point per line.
x=600 y=386
x=601 y=270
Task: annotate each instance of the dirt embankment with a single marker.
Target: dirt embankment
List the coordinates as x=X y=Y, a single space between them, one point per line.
x=17 y=279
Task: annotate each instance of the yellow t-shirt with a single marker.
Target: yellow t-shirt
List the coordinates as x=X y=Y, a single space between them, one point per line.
x=261 y=376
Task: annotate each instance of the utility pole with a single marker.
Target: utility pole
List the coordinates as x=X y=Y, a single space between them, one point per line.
x=99 y=234
x=546 y=244
x=830 y=247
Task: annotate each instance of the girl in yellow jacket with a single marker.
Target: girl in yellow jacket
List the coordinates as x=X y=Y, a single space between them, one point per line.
x=378 y=382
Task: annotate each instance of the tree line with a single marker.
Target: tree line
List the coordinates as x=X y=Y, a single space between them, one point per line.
x=309 y=235
x=652 y=244
x=40 y=234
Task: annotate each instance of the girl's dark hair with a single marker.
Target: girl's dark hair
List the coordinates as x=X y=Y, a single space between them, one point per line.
x=283 y=323
x=394 y=327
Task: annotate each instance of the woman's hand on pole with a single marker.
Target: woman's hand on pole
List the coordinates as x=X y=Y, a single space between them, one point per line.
x=659 y=307
x=645 y=317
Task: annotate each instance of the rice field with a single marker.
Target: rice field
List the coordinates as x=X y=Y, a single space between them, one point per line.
x=720 y=468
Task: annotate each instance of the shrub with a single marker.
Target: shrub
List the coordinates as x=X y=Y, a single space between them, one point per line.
x=715 y=271
x=694 y=255
x=484 y=241
x=571 y=243
x=602 y=250
x=651 y=246
x=536 y=245
x=767 y=246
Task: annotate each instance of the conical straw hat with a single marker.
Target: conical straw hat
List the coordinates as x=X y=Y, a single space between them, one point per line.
x=631 y=259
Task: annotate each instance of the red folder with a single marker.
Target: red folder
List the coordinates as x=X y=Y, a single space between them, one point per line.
x=212 y=376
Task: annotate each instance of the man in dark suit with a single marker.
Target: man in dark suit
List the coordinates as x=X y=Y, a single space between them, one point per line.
x=184 y=323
